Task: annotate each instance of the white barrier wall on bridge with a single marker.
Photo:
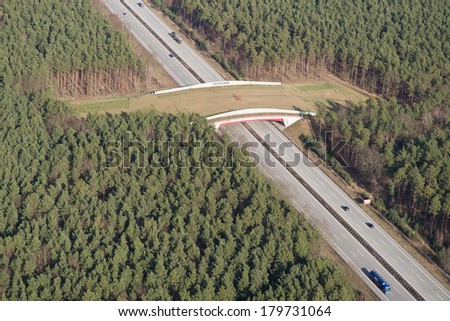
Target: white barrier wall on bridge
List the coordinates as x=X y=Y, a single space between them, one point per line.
x=286 y=120
x=219 y=84
x=249 y=111
x=287 y=116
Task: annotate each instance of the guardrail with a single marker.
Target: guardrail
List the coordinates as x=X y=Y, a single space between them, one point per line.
x=224 y=83
x=338 y=217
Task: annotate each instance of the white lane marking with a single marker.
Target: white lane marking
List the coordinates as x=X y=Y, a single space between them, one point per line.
x=413 y=277
x=200 y=64
x=134 y=26
x=395 y=244
x=338 y=239
x=321 y=174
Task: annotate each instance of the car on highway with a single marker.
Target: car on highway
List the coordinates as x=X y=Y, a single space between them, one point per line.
x=345 y=208
x=124 y=13
x=140 y=4
x=171 y=55
x=370 y=225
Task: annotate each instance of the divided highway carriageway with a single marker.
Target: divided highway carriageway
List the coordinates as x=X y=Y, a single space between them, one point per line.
x=180 y=61
x=316 y=195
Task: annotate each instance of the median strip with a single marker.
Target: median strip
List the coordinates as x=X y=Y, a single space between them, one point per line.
x=338 y=217
x=162 y=42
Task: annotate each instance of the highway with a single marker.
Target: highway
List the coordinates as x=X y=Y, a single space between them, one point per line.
x=189 y=56
x=186 y=67
x=173 y=66
x=189 y=70
x=340 y=239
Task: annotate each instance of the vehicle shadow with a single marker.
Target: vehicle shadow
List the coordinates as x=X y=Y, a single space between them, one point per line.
x=366 y=272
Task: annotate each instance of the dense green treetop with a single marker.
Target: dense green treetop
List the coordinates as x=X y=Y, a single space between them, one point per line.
x=396 y=47
x=402 y=154
x=41 y=38
x=73 y=228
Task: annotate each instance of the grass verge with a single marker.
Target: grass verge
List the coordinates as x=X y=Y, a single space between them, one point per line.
x=215 y=100
x=324 y=86
x=418 y=249
x=362 y=291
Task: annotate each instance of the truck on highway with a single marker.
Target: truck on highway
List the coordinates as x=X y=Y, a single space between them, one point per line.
x=380 y=282
x=175 y=37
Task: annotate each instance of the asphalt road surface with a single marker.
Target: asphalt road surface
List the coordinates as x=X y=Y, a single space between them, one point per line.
x=176 y=70
x=187 y=54
x=180 y=61
x=340 y=239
